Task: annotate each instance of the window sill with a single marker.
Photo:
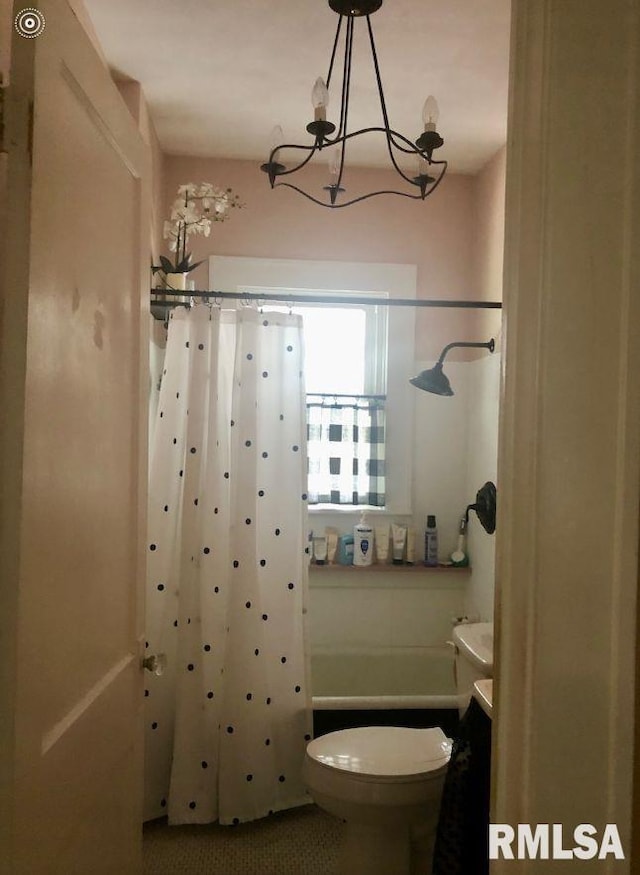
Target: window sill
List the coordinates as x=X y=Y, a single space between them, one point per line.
x=378 y=567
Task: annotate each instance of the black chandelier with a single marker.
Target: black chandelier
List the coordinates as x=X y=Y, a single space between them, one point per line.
x=429 y=172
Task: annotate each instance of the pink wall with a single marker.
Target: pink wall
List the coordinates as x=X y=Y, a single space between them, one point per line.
x=488 y=237
x=436 y=235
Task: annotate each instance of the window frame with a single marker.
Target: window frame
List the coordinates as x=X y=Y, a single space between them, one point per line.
x=384 y=280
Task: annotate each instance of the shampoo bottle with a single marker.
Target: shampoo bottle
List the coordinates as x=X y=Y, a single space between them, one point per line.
x=363 y=542
x=431 y=542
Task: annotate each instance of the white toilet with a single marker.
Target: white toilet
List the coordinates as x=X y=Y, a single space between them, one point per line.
x=386 y=781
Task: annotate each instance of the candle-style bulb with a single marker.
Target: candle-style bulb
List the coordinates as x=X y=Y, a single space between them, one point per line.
x=276 y=137
x=423 y=166
x=320 y=99
x=334 y=165
x=430 y=113
x=273 y=166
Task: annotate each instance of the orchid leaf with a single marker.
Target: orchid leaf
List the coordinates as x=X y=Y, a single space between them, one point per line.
x=167 y=267
x=183 y=266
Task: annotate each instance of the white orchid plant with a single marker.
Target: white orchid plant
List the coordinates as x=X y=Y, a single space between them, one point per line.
x=193 y=212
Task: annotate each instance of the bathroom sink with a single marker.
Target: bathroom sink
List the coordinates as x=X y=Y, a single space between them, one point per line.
x=483 y=692
x=476 y=641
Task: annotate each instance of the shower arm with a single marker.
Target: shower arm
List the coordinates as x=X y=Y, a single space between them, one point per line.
x=490 y=345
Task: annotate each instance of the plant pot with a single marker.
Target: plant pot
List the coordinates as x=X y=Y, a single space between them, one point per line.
x=176 y=281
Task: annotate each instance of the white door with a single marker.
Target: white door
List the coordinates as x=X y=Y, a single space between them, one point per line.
x=73 y=278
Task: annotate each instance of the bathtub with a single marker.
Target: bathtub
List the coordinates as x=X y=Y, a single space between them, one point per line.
x=383 y=678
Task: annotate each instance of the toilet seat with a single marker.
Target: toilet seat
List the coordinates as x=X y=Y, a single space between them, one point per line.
x=383 y=754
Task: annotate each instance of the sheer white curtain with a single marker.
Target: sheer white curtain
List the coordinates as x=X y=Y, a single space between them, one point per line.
x=227 y=723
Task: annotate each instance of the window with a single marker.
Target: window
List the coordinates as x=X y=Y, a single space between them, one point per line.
x=358 y=362
x=345 y=375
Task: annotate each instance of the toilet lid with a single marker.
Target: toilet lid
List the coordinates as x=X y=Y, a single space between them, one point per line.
x=383 y=750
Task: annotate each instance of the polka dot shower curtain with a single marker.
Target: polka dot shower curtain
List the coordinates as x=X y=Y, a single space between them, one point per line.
x=226 y=723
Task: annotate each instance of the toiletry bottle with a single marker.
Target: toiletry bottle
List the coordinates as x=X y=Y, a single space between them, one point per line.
x=320 y=549
x=363 y=542
x=345 y=550
x=411 y=545
x=431 y=541
x=382 y=544
x=399 y=537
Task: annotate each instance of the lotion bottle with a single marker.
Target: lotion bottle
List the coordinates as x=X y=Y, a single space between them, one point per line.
x=363 y=542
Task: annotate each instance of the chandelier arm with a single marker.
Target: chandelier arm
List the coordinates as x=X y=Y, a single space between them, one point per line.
x=413 y=149
x=439 y=179
x=333 y=52
x=371 y=130
x=390 y=142
x=390 y=134
x=338 y=139
x=356 y=200
x=380 y=130
x=346 y=89
x=328 y=141
x=311 y=149
x=346 y=68
x=395 y=163
x=374 y=55
x=410 y=148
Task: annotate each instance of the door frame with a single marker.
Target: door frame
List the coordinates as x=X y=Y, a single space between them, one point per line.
x=569 y=478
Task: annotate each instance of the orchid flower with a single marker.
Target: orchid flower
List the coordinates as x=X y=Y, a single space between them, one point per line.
x=193 y=212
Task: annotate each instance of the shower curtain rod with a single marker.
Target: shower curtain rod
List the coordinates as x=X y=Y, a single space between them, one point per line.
x=213 y=297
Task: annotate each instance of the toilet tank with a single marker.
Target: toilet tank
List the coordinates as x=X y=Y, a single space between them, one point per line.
x=474 y=658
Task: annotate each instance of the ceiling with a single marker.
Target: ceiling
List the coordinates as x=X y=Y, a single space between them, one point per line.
x=219 y=74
